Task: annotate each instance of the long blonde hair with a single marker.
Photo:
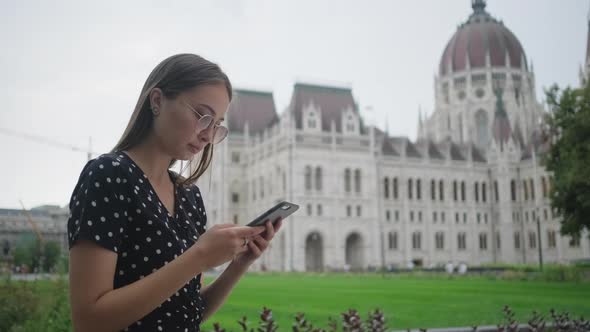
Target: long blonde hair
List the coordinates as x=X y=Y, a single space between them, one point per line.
x=173 y=76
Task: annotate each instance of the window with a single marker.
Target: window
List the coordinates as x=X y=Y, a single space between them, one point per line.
x=392 y=240
x=525 y=190
x=516 y=240
x=483 y=241
x=544 y=185
x=533 y=239
x=574 y=242
x=483 y=192
x=551 y=239
x=442 y=217
x=347 y=180
x=357 y=180
x=411 y=216
x=498 y=242
x=496 y=193
x=464 y=217
x=388 y=215
x=394 y=188
x=439 y=240
x=418 y=189
x=396 y=215
x=410 y=186
x=309 y=209
x=513 y=190
x=545 y=214
x=261 y=187
x=358 y=211
x=478 y=218
x=463 y=191
x=441 y=190
x=319 y=209
x=461 y=241
x=485 y=218
x=307 y=177
x=235 y=197
x=318 y=178
x=419 y=216
x=416 y=240
x=434 y=215
x=433 y=190
x=235 y=157
x=456 y=217
x=235 y=219
x=455 y=191
x=349 y=211
x=476 y=191
x=532 y=189
x=386 y=187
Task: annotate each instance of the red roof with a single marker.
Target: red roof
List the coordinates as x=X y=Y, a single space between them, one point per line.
x=481 y=35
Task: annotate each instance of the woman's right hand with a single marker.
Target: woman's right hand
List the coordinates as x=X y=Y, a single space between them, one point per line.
x=221 y=243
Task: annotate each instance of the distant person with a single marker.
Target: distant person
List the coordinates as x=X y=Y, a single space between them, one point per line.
x=449 y=268
x=462 y=268
x=137 y=232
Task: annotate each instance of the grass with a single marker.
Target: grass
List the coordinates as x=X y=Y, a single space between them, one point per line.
x=407 y=301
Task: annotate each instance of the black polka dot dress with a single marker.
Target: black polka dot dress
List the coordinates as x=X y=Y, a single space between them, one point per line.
x=115 y=206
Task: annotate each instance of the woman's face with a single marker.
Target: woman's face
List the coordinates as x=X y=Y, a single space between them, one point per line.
x=177 y=126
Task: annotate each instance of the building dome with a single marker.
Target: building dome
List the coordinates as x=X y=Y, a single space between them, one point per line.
x=481 y=35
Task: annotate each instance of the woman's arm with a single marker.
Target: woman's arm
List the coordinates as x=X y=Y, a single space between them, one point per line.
x=96 y=306
x=215 y=294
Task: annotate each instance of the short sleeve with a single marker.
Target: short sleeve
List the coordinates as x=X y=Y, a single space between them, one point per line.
x=200 y=208
x=98 y=205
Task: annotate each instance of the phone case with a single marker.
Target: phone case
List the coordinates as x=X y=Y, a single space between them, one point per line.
x=281 y=210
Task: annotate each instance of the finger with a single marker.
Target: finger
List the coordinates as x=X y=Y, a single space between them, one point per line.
x=270 y=231
x=247 y=231
x=254 y=249
x=262 y=242
x=278 y=225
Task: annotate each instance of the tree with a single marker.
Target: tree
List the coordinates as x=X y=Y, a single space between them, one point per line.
x=51 y=255
x=569 y=156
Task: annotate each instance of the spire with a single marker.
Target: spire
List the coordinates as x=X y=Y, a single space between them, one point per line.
x=479 y=6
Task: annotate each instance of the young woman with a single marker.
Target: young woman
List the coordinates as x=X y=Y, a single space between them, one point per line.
x=137 y=238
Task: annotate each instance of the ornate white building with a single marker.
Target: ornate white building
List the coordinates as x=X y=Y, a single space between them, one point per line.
x=470 y=189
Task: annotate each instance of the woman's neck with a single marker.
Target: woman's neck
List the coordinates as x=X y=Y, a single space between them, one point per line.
x=152 y=161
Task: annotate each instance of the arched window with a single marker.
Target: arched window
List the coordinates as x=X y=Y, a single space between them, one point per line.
x=347 y=180
x=433 y=190
x=410 y=188
x=463 y=191
x=418 y=189
x=483 y=241
x=395 y=188
x=455 y=191
x=441 y=190
x=439 y=240
x=416 y=240
x=386 y=187
x=513 y=190
x=357 y=180
x=483 y=192
x=544 y=186
x=318 y=178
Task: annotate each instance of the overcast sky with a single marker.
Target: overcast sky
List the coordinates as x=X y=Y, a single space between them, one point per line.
x=73 y=70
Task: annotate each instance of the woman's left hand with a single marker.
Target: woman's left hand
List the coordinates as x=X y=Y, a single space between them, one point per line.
x=257 y=245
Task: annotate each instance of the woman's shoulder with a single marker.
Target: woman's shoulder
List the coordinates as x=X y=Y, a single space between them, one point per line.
x=111 y=167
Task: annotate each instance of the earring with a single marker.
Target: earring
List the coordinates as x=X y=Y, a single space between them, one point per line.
x=155 y=111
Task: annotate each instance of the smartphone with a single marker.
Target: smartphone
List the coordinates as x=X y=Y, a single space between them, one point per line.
x=281 y=210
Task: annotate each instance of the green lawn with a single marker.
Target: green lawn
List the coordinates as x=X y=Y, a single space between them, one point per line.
x=407 y=301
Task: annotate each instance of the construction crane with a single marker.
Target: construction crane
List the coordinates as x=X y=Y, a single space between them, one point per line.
x=49 y=141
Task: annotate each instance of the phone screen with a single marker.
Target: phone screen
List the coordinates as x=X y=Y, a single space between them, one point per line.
x=281 y=210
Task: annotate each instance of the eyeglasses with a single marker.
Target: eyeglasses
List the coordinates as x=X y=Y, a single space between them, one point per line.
x=205 y=121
